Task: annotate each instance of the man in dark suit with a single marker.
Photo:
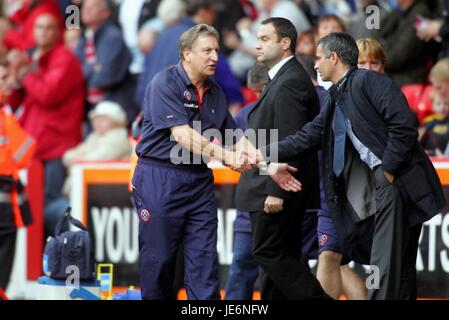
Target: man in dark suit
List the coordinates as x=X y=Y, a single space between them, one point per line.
x=377 y=178
x=288 y=102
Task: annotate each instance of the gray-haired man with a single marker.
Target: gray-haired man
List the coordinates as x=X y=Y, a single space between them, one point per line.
x=377 y=178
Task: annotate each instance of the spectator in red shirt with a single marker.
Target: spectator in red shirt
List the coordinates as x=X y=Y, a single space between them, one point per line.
x=53 y=88
x=18 y=33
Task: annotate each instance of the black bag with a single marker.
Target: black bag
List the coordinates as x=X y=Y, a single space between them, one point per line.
x=69 y=249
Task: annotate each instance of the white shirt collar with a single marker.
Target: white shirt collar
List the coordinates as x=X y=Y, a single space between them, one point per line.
x=273 y=71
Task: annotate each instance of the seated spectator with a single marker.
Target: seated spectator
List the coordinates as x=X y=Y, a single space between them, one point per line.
x=108 y=141
x=434 y=135
x=371 y=55
x=418 y=96
x=439 y=77
x=105 y=58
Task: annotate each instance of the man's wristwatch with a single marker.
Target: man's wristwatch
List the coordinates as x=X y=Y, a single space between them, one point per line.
x=263 y=165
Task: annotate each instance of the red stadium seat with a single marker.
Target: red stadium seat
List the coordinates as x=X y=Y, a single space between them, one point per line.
x=418 y=98
x=3 y=295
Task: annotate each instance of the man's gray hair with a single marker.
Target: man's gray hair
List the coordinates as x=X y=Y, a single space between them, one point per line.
x=189 y=37
x=258 y=75
x=343 y=45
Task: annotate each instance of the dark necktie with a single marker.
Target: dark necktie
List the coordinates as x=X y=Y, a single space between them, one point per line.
x=339 y=140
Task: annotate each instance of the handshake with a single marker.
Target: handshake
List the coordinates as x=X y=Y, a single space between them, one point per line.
x=246 y=157
x=243 y=161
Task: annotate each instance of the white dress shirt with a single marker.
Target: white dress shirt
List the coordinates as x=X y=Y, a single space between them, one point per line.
x=273 y=71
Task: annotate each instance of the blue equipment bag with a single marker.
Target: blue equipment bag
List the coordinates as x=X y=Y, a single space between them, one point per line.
x=69 y=252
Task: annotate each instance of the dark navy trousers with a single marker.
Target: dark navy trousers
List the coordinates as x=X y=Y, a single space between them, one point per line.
x=176 y=204
x=244 y=269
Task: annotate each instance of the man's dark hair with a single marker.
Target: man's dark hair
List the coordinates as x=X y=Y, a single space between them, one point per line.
x=284 y=29
x=343 y=45
x=308 y=63
x=258 y=75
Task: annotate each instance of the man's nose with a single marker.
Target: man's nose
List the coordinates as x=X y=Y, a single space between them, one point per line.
x=214 y=56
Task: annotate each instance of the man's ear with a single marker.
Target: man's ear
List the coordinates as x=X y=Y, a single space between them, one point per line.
x=334 y=58
x=186 y=55
x=286 y=42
